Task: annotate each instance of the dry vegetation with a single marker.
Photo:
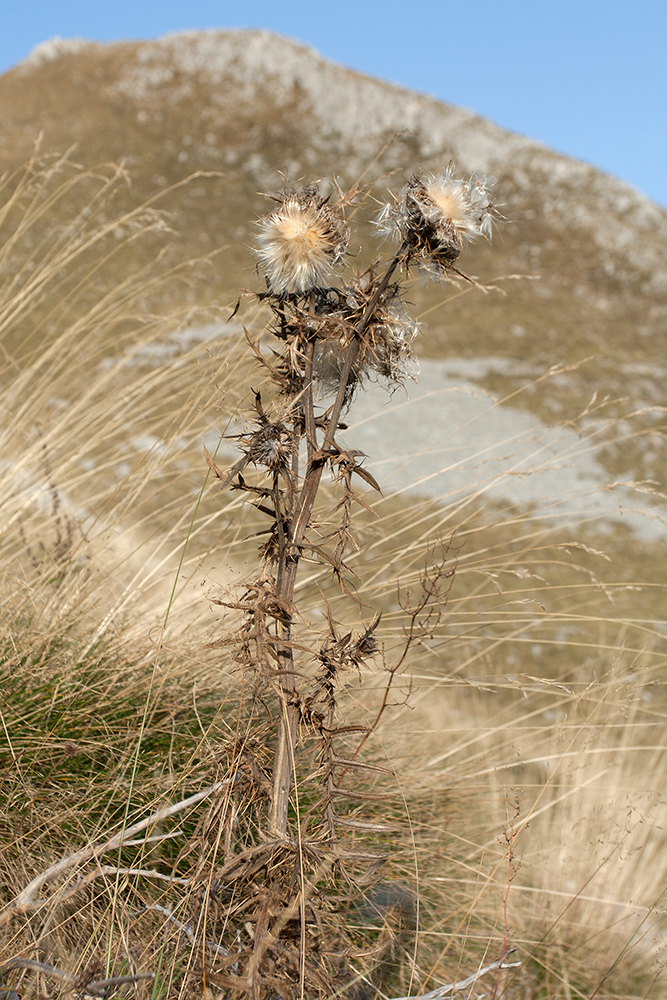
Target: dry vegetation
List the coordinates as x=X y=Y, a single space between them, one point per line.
x=521 y=742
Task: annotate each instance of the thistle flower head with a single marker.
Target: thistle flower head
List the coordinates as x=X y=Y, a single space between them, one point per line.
x=436 y=214
x=383 y=348
x=300 y=242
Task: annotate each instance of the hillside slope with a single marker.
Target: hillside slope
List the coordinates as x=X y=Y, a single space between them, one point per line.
x=248 y=104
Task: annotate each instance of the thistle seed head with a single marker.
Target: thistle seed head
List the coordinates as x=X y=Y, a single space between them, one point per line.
x=300 y=242
x=436 y=214
x=383 y=352
x=267 y=446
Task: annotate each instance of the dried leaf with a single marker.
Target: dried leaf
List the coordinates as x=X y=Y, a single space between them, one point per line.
x=366 y=476
x=342 y=762
x=211 y=464
x=358 y=824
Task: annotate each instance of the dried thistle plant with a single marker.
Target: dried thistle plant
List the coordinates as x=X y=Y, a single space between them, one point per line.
x=264 y=894
x=300 y=853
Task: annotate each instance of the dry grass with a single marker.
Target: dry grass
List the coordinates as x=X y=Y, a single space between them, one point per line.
x=528 y=759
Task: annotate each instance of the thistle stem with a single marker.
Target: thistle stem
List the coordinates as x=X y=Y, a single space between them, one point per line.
x=288 y=727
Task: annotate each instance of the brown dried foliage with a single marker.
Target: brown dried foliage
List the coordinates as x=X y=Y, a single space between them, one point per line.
x=300 y=812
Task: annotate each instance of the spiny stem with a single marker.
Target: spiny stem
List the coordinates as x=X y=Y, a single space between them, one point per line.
x=288 y=727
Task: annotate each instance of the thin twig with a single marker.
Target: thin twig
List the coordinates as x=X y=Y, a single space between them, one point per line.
x=102 y=985
x=97 y=987
x=69 y=891
x=216 y=949
x=451 y=988
x=28 y=899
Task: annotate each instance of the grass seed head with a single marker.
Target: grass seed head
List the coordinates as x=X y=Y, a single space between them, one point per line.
x=300 y=242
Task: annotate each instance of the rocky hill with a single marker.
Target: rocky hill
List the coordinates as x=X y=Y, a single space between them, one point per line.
x=590 y=251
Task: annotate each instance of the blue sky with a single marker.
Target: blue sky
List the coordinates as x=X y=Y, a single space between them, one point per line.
x=586 y=77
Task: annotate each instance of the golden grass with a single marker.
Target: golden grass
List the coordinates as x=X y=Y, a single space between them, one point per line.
x=526 y=731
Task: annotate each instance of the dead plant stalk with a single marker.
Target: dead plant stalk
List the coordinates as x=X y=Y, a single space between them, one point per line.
x=333 y=338
x=290 y=552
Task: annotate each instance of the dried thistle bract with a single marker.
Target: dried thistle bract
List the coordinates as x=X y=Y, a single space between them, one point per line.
x=300 y=242
x=383 y=348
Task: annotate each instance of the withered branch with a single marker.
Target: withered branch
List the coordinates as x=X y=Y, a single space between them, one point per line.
x=30 y=899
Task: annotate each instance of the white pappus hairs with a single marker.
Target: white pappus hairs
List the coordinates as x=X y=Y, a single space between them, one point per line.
x=300 y=242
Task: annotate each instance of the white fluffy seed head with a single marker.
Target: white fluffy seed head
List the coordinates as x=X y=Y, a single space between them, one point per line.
x=300 y=243
x=436 y=214
x=448 y=200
